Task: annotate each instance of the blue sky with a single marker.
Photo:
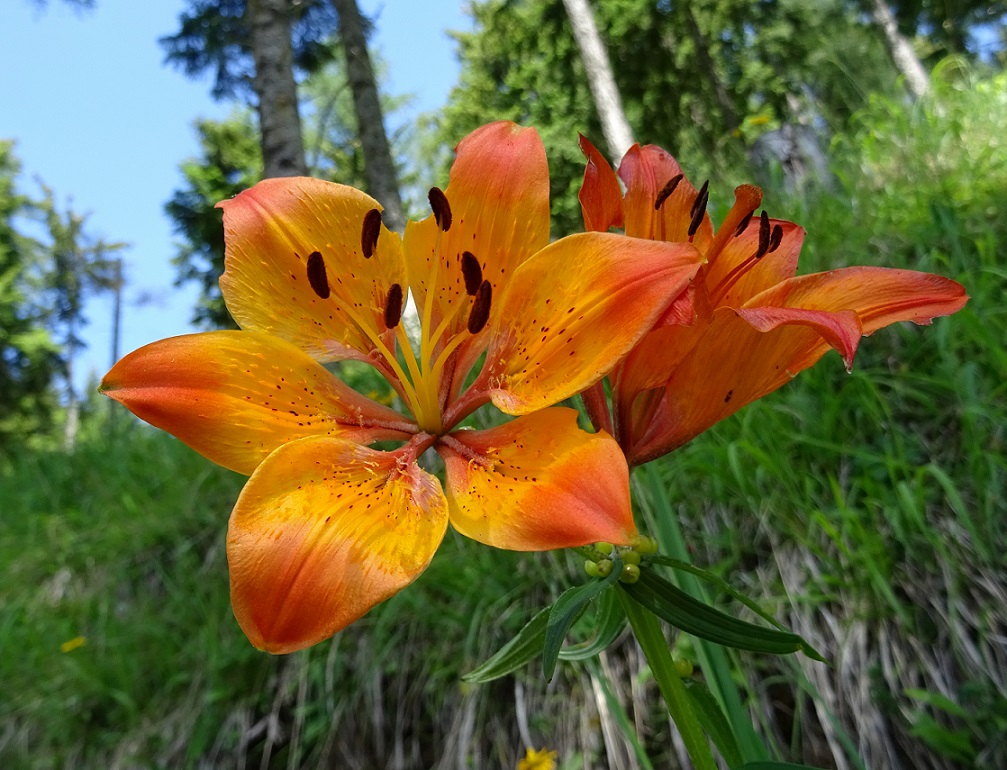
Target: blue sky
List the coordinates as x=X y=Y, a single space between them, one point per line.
x=100 y=119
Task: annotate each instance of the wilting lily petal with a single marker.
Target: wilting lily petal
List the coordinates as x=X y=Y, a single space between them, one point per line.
x=324 y=530
x=538 y=482
x=552 y=339
x=296 y=265
x=234 y=397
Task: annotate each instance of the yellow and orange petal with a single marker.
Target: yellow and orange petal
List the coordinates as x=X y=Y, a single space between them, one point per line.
x=537 y=483
x=573 y=310
x=235 y=396
x=498 y=195
x=296 y=265
x=323 y=531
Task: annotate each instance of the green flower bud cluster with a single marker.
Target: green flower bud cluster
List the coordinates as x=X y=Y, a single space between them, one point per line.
x=601 y=564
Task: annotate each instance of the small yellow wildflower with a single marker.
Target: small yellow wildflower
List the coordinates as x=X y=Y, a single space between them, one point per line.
x=72 y=644
x=538 y=760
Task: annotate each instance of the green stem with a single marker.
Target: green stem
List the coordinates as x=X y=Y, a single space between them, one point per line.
x=712 y=657
x=655 y=649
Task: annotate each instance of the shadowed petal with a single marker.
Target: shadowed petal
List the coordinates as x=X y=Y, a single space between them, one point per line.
x=576 y=308
x=537 y=483
x=235 y=396
x=600 y=196
x=645 y=172
x=746 y=354
x=295 y=266
x=323 y=531
x=776 y=266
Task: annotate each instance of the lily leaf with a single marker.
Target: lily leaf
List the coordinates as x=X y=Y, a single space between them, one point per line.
x=608 y=625
x=711 y=716
x=674 y=605
x=566 y=610
x=720 y=583
x=515 y=654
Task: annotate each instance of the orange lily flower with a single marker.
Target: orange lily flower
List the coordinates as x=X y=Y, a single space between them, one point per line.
x=746 y=325
x=326 y=526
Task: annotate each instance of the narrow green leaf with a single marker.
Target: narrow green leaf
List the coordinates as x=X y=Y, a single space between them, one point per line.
x=566 y=610
x=712 y=718
x=719 y=582
x=608 y=625
x=771 y=765
x=674 y=605
x=515 y=654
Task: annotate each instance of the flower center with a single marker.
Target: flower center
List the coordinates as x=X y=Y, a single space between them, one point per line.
x=424 y=385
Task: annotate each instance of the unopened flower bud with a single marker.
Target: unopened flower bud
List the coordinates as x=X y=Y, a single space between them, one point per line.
x=630 y=573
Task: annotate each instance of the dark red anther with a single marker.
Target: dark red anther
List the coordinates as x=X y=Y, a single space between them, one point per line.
x=701 y=199
x=316 y=275
x=441 y=208
x=699 y=210
x=393 y=306
x=764 y=235
x=776 y=238
x=667 y=190
x=480 y=312
x=743 y=224
x=472 y=272
x=370 y=232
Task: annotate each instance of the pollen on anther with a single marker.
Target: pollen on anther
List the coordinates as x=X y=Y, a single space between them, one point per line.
x=393 y=306
x=441 y=208
x=472 y=272
x=480 y=312
x=776 y=238
x=369 y=232
x=701 y=199
x=698 y=211
x=667 y=190
x=743 y=224
x=316 y=275
x=764 y=235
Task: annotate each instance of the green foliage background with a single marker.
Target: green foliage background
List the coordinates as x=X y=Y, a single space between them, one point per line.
x=866 y=511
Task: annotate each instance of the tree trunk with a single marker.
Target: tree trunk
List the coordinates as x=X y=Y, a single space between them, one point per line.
x=902 y=52
x=279 y=120
x=618 y=134
x=379 y=168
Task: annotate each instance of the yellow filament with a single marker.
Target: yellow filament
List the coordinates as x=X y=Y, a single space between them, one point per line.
x=425 y=406
x=410 y=392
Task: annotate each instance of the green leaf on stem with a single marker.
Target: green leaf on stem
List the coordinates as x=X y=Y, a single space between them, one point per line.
x=681 y=610
x=719 y=582
x=714 y=722
x=608 y=625
x=566 y=610
x=515 y=654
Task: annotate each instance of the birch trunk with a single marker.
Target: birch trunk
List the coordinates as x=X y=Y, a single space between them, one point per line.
x=379 y=168
x=618 y=134
x=279 y=120
x=902 y=52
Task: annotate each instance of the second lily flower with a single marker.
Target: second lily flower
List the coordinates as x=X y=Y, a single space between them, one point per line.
x=747 y=325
